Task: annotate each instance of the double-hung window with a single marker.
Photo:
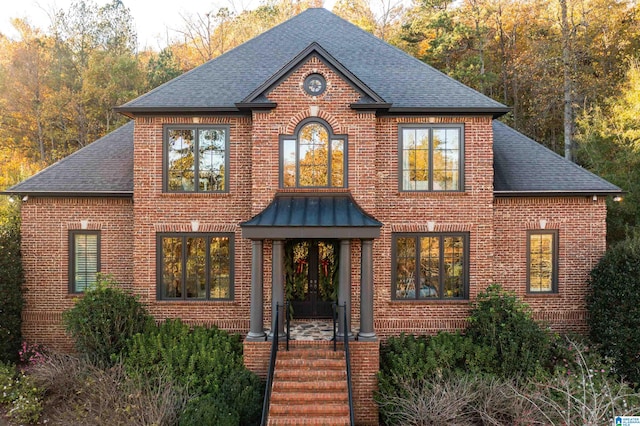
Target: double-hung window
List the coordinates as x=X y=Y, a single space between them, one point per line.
x=431 y=157
x=196 y=159
x=195 y=266
x=542 y=261
x=84 y=260
x=313 y=157
x=430 y=266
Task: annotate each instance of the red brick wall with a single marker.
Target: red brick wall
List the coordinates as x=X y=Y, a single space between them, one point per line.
x=468 y=211
x=155 y=212
x=580 y=222
x=46 y=223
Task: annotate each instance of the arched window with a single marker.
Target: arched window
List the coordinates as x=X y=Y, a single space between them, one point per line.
x=313 y=157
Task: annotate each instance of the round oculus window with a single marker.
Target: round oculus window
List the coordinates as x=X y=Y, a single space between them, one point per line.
x=315 y=84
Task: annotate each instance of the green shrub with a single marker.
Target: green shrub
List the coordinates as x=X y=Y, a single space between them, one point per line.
x=426 y=356
x=503 y=324
x=206 y=361
x=209 y=410
x=104 y=319
x=10 y=285
x=614 y=307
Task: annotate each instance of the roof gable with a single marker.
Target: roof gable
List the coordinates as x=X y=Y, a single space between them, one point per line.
x=394 y=76
x=314 y=49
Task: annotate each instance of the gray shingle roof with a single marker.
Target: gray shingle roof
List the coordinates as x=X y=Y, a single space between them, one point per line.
x=396 y=77
x=522 y=166
x=104 y=167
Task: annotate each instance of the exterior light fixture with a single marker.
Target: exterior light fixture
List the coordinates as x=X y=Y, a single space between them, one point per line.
x=617 y=198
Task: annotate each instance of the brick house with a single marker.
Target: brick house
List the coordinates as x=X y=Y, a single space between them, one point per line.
x=314 y=163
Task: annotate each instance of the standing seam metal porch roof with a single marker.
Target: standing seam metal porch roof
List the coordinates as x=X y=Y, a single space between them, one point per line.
x=304 y=215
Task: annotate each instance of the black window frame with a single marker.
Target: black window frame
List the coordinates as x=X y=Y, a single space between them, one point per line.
x=555 y=260
x=73 y=253
x=430 y=127
x=441 y=235
x=197 y=128
x=331 y=136
x=184 y=236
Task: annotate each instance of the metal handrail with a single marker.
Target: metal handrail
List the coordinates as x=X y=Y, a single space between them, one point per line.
x=272 y=367
x=334 y=308
x=347 y=356
x=348 y=362
x=288 y=319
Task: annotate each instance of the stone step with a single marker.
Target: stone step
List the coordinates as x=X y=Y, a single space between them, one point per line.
x=299 y=398
x=309 y=388
x=307 y=375
x=305 y=386
x=310 y=421
x=310 y=353
x=309 y=409
x=310 y=363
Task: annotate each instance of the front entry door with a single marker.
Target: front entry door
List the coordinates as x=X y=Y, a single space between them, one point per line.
x=311 y=277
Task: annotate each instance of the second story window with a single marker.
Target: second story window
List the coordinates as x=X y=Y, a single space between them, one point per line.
x=196 y=159
x=313 y=158
x=431 y=158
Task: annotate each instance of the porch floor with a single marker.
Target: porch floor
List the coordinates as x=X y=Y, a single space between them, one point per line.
x=311 y=330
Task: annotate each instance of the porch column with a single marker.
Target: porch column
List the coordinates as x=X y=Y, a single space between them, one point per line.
x=256 y=328
x=344 y=287
x=366 y=292
x=277 y=286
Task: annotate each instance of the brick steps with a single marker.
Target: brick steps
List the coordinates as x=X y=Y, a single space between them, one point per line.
x=309 y=388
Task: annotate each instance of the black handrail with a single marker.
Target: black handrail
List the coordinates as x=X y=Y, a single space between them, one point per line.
x=347 y=357
x=334 y=307
x=288 y=317
x=272 y=367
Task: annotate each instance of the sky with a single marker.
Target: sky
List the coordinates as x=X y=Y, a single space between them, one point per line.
x=155 y=20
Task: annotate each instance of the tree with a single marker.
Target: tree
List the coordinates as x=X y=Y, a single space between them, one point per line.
x=609 y=137
x=162 y=68
x=614 y=307
x=11 y=277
